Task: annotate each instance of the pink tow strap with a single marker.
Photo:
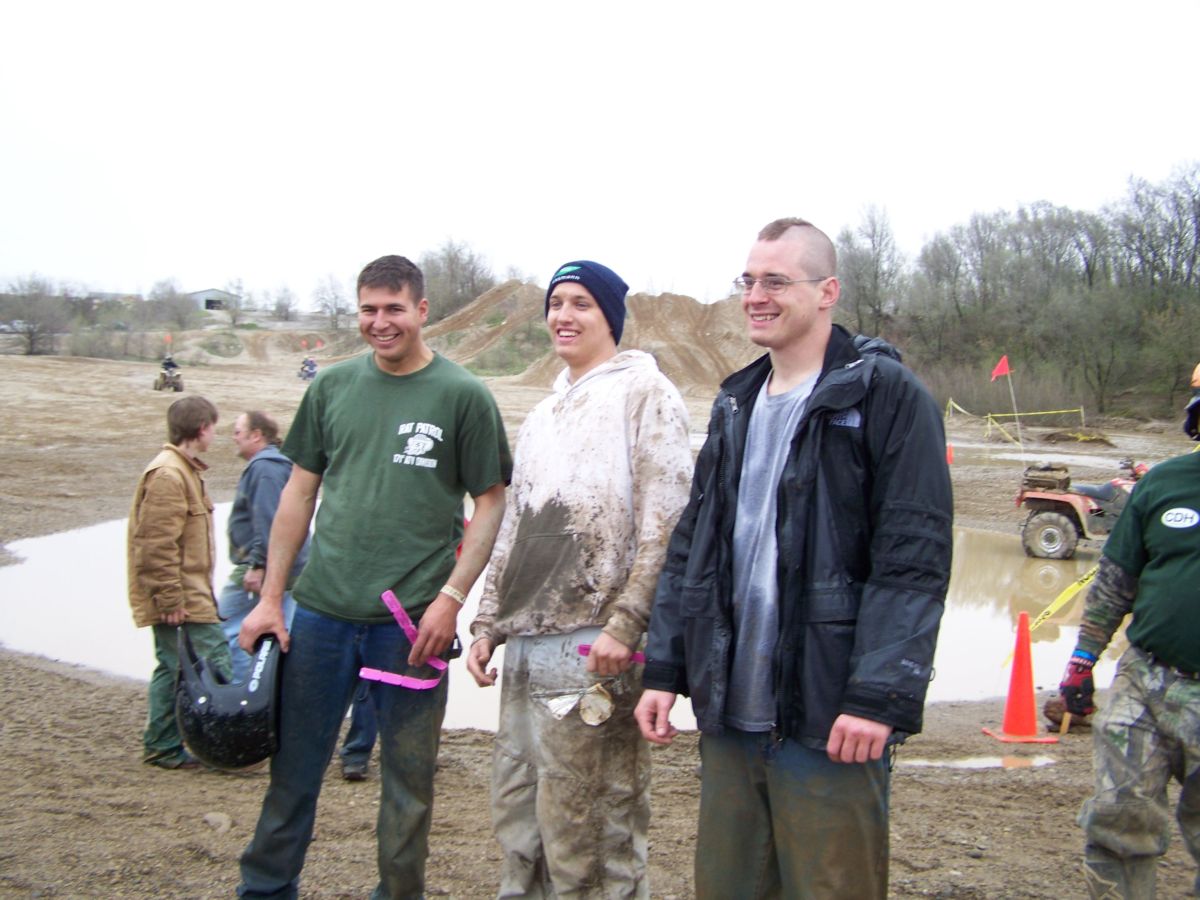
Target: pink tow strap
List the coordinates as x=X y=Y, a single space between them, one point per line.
x=585 y=649
x=410 y=631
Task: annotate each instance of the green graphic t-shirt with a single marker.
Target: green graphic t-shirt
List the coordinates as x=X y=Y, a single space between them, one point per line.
x=1157 y=540
x=396 y=454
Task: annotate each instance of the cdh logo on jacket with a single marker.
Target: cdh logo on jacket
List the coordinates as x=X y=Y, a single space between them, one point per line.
x=1180 y=517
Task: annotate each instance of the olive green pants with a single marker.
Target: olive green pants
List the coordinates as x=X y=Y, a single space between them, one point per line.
x=161 y=739
x=780 y=819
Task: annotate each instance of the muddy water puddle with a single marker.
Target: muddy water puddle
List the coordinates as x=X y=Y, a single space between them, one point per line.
x=66 y=600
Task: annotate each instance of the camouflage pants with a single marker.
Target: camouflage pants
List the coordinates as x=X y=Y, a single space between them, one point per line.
x=1148 y=733
x=570 y=801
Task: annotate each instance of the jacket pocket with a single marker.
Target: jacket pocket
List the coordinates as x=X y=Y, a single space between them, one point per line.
x=831 y=604
x=823 y=651
x=696 y=601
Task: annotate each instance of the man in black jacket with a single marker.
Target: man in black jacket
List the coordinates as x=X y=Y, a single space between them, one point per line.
x=800 y=601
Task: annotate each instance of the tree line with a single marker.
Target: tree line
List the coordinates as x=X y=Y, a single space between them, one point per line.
x=1095 y=308
x=1100 y=308
x=48 y=318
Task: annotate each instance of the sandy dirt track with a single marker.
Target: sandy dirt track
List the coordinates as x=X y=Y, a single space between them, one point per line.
x=83 y=818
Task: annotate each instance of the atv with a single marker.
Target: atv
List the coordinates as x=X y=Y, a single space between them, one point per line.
x=169 y=379
x=1060 y=514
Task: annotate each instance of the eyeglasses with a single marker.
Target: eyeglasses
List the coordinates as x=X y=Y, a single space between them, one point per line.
x=772 y=284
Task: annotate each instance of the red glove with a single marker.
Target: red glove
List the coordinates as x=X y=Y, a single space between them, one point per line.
x=1077 y=687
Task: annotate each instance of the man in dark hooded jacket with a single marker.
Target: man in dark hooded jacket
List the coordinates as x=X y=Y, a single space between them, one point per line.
x=803 y=588
x=256 y=436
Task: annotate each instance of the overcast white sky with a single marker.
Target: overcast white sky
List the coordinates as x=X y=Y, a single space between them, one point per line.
x=280 y=142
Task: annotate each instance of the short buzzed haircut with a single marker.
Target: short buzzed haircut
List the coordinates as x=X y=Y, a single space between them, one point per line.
x=819 y=257
x=257 y=420
x=187 y=417
x=394 y=273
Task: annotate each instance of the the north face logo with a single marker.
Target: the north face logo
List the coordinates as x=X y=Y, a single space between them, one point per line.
x=849 y=418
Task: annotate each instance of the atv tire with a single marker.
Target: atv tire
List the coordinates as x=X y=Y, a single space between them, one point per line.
x=1049 y=535
x=178 y=383
x=159 y=382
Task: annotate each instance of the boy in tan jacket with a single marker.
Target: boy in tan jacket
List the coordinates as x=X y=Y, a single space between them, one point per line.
x=171 y=554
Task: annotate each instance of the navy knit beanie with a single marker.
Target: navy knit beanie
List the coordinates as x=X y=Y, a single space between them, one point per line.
x=602 y=283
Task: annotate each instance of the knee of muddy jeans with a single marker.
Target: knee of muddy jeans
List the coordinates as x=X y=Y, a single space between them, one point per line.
x=1126 y=829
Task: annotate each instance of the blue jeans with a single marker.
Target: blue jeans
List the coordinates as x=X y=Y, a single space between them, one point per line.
x=320 y=675
x=233 y=605
x=779 y=819
x=360 y=739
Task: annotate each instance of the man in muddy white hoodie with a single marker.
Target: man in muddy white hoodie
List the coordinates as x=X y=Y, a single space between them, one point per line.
x=602 y=470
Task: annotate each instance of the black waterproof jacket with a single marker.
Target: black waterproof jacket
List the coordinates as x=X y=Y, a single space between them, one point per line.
x=864 y=531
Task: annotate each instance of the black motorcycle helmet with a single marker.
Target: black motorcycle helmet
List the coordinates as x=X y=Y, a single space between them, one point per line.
x=229 y=726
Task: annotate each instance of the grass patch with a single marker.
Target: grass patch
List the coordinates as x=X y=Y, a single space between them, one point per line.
x=514 y=353
x=224 y=344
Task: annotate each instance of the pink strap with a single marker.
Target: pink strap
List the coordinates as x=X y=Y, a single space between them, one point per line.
x=404 y=681
x=407 y=626
x=410 y=631
x=585 y=649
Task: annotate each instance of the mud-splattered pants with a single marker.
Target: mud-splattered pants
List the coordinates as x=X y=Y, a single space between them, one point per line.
x=570 y=801
x=1146 y=734
x=779 y=819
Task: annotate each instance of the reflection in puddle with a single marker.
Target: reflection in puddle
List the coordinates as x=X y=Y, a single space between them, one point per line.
x=991 y=584
x=1098 y=457
x=979 y=762
x=66 y=600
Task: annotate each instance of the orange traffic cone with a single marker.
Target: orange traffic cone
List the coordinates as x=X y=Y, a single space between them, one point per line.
x=1020 y=712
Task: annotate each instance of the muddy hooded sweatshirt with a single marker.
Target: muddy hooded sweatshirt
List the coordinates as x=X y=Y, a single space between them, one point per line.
x=601 y=473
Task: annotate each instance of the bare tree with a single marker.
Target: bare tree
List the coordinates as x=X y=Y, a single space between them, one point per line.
x=237 y=303
x=171 y=306
x=33 y=311
x=455 y=275
x=285 y=304
x=330 y=299
x=871 y=268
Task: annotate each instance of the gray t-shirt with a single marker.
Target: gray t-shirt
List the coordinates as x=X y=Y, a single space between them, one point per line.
x=751 y=705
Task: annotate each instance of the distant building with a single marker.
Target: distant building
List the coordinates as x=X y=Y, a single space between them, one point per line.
x=213 y=298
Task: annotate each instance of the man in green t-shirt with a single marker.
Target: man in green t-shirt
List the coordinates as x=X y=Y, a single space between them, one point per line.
x=394 y=439
x=1149 y=730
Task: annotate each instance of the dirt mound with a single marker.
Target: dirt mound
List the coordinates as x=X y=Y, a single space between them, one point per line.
x=696 y=344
